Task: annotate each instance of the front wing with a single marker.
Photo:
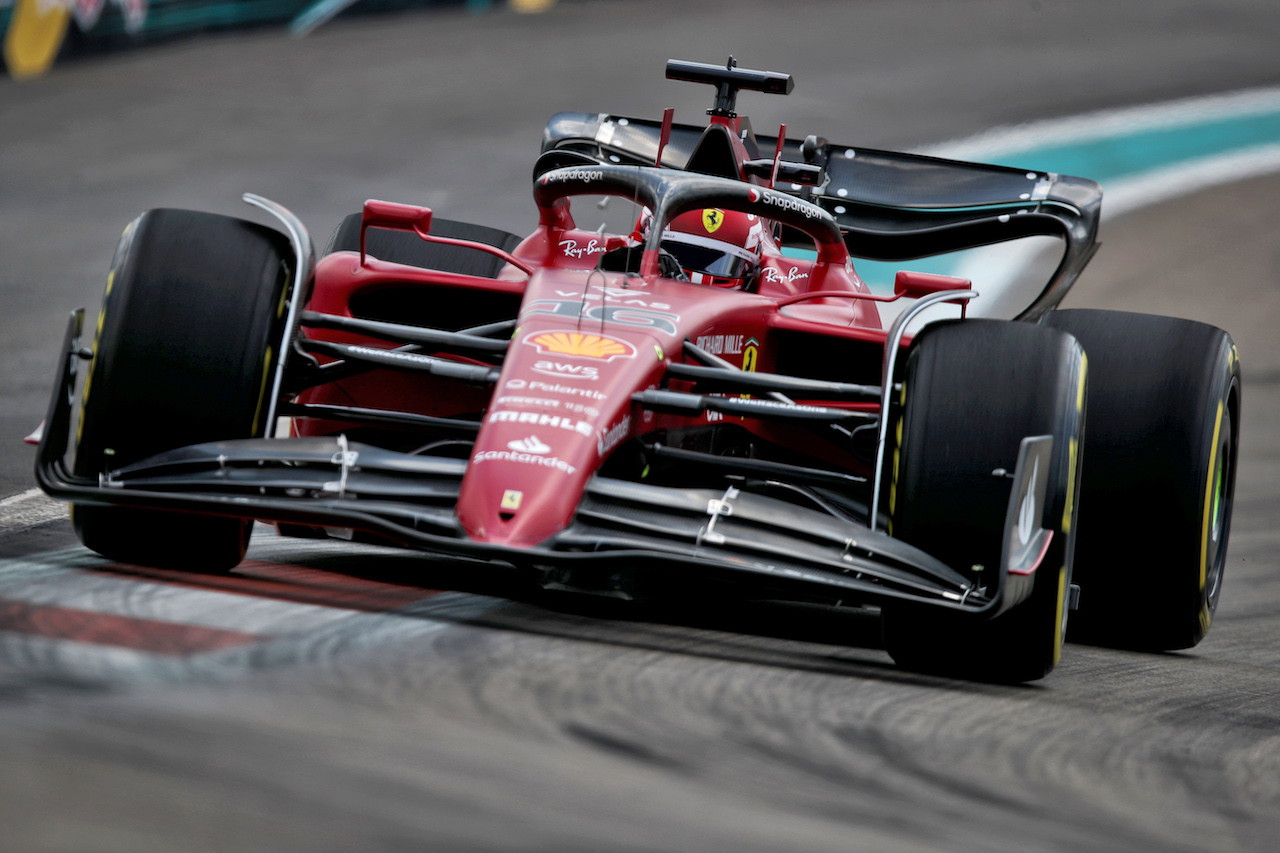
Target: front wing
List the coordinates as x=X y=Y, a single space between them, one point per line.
x=627 y=539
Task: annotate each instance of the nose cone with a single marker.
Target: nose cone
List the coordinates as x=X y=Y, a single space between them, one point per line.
x=526 y=476
x=562 y=402
x=553 y=419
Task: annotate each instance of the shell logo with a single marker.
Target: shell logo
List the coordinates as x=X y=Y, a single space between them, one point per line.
x=582 y=345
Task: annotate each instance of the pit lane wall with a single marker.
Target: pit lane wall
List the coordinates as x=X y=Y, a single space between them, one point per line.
x=39 y=33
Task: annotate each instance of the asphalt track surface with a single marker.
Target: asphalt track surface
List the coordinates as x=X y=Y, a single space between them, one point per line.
x=320 y=700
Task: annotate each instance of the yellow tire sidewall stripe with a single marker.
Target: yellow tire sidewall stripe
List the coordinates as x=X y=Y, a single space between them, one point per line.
x=1058 y=615
x=1074 y=447
x=262 y=390
x=1208 y=497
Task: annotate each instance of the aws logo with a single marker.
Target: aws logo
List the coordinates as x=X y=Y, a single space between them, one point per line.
x=563 y=370
x=580 y=345
x=712 y=219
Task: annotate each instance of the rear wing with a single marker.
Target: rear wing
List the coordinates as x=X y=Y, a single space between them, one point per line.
x=890 y=206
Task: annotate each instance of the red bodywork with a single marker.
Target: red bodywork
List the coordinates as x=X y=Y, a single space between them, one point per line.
x=586 y=341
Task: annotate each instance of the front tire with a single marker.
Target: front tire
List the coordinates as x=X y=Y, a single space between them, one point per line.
x=972 y=390
x=183 y=353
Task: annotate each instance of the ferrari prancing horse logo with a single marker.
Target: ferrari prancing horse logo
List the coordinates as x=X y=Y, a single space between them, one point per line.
x=712 y=218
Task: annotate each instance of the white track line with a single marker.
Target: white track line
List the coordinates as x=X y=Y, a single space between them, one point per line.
x=28 y=509
x=1147 y=188
x=21 y=496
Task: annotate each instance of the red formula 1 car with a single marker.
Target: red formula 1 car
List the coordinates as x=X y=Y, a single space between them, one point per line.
x=701 y=400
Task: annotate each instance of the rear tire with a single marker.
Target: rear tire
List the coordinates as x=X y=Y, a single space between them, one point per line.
x=1157 y=494
x=972 y=390
x=183 y=354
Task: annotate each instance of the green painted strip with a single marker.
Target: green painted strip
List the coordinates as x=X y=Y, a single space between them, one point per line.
x=1130 y=154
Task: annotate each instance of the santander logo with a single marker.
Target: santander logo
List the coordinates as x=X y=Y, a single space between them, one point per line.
x=529 y=445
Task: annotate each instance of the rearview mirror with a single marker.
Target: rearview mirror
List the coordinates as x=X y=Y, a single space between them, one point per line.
x=917 y=284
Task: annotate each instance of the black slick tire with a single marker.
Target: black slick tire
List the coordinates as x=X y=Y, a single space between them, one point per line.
x=1159 y=479
x=183 y=353
x=972 y=390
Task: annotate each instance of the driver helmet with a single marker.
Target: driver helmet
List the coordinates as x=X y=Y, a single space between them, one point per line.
x=716 y=247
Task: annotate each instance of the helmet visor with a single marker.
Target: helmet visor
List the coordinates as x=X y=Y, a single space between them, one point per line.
x=706 y=260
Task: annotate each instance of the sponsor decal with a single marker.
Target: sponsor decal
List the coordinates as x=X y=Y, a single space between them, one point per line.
x=753 y=194
x=571 y=249
x=786 y=202
x=613 y=435
x=661 y=320
x=581 y=345
x=546 y=403
x=773 y=275
x=509 y=400
x=529 y=445
x=511 y=499
x=616 y=296
x=773 y=404
x=712 y=219
x=541 y=419
x=564 y=175
x=749 y=356
x=561 y=370
x=530 y=450
x=567 y=390
x=626 y=315
x=398 y=356
x=547 y=388
x=720 y=344
x=524 y=459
